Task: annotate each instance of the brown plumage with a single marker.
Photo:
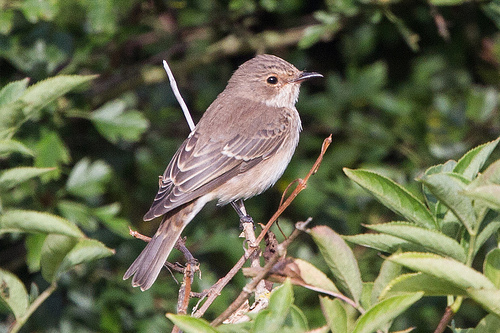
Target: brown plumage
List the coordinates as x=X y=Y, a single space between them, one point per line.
x=240 y=147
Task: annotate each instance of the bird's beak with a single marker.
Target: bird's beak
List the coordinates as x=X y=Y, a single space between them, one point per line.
x=306 y=76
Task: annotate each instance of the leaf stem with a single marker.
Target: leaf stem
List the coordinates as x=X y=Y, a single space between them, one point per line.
x=19 y=323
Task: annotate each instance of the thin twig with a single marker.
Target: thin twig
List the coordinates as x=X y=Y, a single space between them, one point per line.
x=445 y=320
x=173 y=85
x=18 y=324
x=250 y=287
x=217 y=287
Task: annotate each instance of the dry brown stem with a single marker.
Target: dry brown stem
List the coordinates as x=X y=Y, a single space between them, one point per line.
x=302 y=183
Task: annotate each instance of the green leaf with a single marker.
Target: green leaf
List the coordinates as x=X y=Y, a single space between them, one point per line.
x=489 y=299
x=488 y=324
x=481 y=103
x=61 y=253
x=416 y=282
x=388 y=272
x=366 y=295
x=6 y=20
x=274 y=317
x=485 y=234
x=35 y=10
x=107 y=215
x=50 y=152
x=489 y=194
x=33 y=221
x=335 y=314
x=279 y=304
x=34 y=244
x=470 y=164
x=384 y=312
x=12 y=146
x=446 y=269
x=12 y=177
x=446 y=2
x=490 y=176
x=383 y=242
x=54 y=249
x=449 y=188
x=340 y=259
x=431 y=240
x=190 y=324
x=393 y=196
x=13 y=91
x=86 y=250
x=430 y=199
x=492 y=267
x=114 y=123
x=42 y=93
x=13 y=293
x=297 y=319
x=88 y=179
x=78 y=213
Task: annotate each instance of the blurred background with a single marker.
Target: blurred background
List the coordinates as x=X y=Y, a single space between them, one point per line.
x=408 y=84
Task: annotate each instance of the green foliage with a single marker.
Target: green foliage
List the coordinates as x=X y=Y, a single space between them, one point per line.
x=447 y=193
x=62 y=244
x=87 y=123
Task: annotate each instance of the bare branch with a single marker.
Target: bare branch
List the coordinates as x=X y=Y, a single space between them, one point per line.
x=250 y=287
x=217 y=287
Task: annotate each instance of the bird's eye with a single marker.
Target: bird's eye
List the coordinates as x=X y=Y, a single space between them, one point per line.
x=272 y=80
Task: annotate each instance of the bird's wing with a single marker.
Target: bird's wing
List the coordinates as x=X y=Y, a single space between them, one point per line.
x=205 y=161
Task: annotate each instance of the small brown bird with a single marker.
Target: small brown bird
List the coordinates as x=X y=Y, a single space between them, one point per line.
x=240 y=147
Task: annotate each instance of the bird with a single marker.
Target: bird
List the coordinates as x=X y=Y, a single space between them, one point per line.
x=239 y=148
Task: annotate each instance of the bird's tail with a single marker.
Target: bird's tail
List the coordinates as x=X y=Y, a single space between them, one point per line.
x=148 y=264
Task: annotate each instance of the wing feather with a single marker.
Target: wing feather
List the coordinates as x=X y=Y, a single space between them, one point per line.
x=203 y=163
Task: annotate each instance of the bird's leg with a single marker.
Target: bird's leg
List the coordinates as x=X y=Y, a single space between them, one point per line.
x=239 y=207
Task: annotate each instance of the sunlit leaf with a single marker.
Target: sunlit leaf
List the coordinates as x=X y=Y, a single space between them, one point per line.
x=446 y=269
x=384 y=312
x=13 y=146
x=33 y=221
x=42 y=93
x=489 y=299
x=115 y=123
x=190 y=324
x=54 y=249
x=415 y=282
x=279 y=304
x=432 y=240
x=489 y=194
x=340 y=259
x=448 y=188
x=88 y=179
x=13 y=293
x=12 y=91
x=13 y=177
x=472 y=162
x=492 y=267
x=383 y=242
x=394 y=196
x=388 y=272
x=335 y=314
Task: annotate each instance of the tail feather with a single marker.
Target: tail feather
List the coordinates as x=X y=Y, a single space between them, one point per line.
x=148 y=264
